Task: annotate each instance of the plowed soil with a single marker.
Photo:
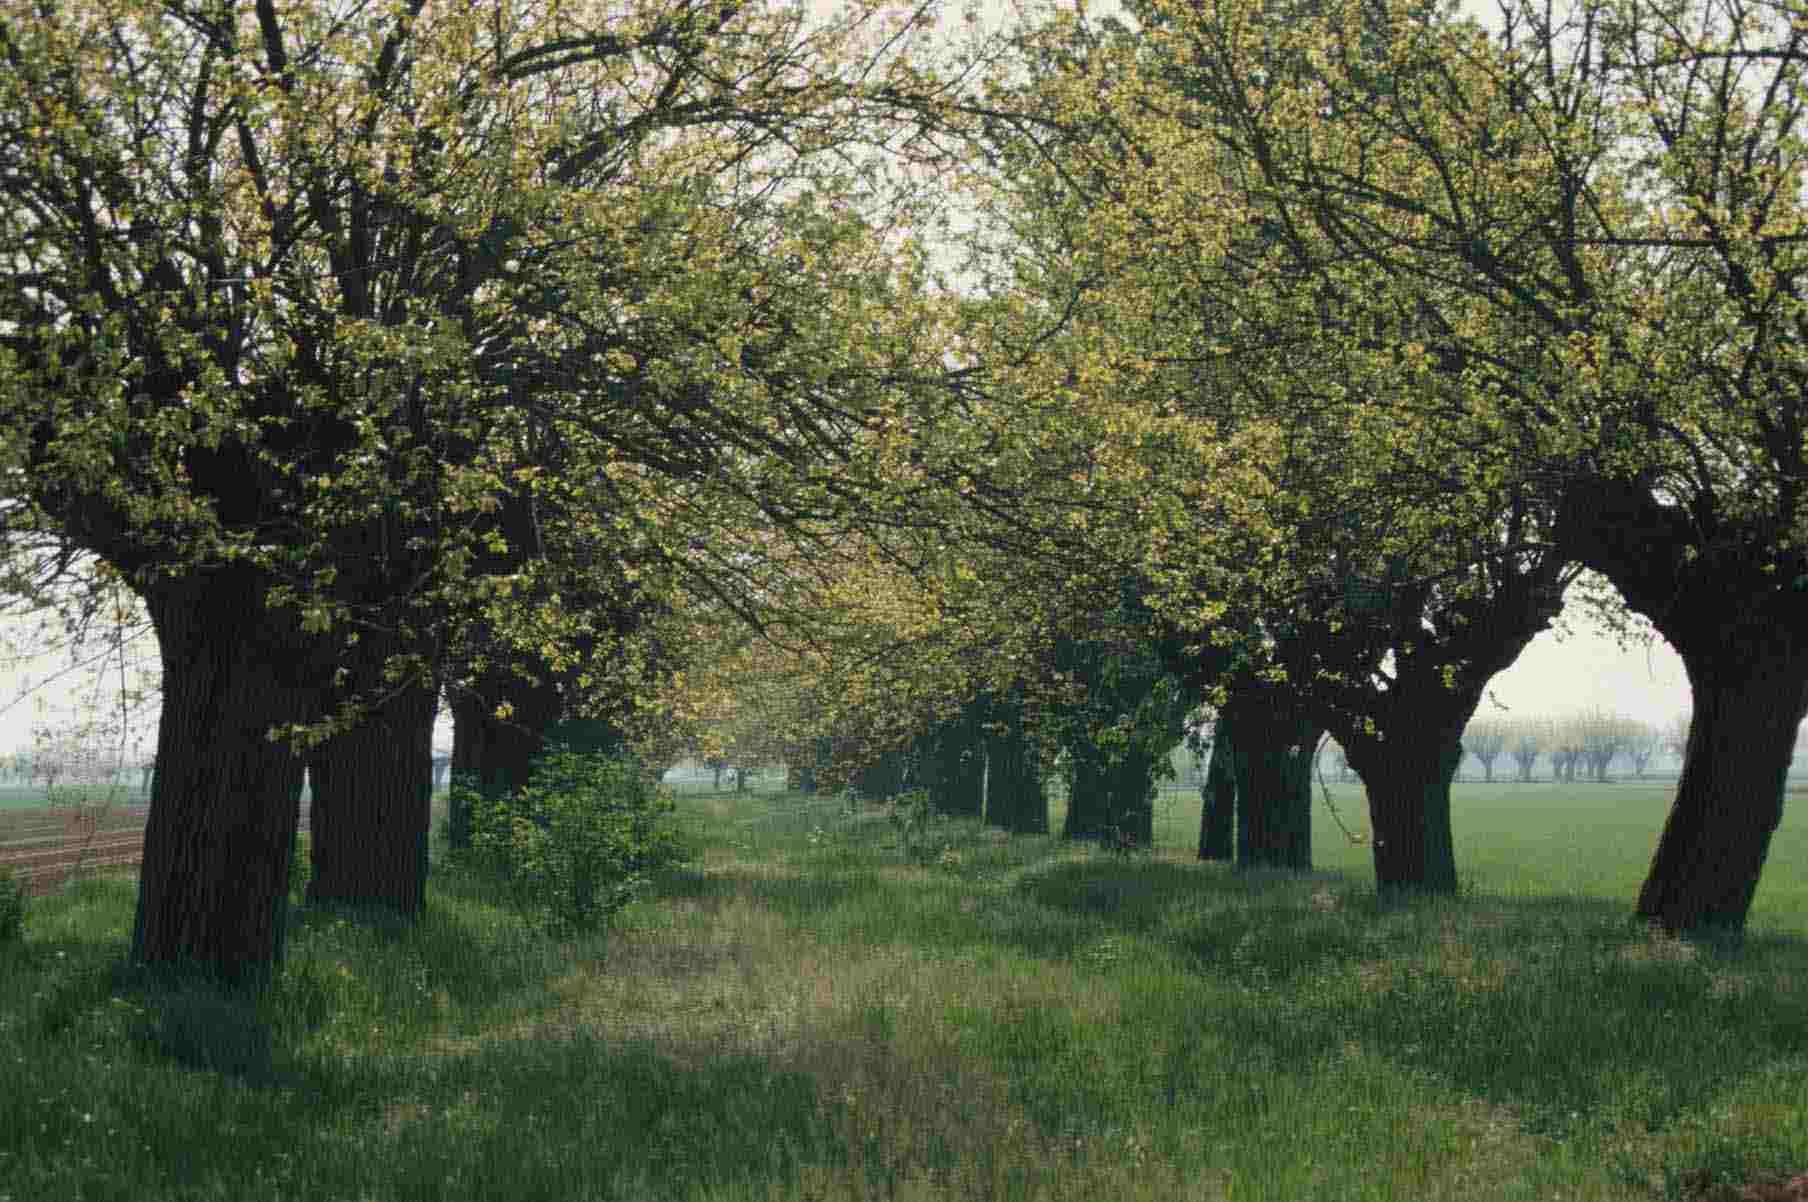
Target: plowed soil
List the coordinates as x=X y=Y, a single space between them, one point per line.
x=46 y=847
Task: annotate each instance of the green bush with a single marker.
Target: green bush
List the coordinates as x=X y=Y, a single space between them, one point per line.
x=579 y=842
x=919 y=827
x=12 y=906
x=301 y=866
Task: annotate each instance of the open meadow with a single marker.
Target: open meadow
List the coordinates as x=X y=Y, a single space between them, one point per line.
x=802 y=1013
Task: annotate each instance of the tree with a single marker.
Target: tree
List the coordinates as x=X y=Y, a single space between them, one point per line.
x=1604 y=735
x=1641 y=743
x=1126 y=714
x=1485 y=739
x=1267 y=492
x=1526 y=739
x=1016 y=792
x=288 y=375
x=1568 y=742
x=1588 y=224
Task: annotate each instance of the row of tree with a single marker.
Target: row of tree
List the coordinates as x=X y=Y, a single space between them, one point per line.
x=1300 y=363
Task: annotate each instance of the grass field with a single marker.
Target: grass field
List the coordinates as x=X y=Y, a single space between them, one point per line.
x=802 y=1015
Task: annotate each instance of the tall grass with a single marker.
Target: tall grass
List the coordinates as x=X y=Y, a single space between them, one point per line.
x=802 y=1014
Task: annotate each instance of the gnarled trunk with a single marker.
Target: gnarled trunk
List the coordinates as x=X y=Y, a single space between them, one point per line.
x=213 y=889
x=1736 y=616
x=1271 y=752
x=1408 y=781
x=1729 y=799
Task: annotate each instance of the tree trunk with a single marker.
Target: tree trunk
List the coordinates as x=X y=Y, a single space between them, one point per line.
x=1109 y=796
x=1271 y=751
x=1088 y=796
x=372 y=804
x=1408 y=782
x=1016 y=798
x=1734 y=611
x=951 y=761
x=213 y=889
x=1729 y=799
x=1219 y=794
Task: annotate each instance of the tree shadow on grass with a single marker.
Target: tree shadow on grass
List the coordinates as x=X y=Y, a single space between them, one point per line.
x=1565 y=1008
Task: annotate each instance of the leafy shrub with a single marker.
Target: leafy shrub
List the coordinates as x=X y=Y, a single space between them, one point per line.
x=579 y=842
x=12 y=906
x=301 y=866
x=918 y=824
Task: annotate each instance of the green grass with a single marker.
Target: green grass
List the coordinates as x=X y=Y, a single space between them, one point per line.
x=801 y=1015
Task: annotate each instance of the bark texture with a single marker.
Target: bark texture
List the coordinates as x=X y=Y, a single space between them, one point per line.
x=213 y=890
x=1270 y=755
x=1729 y=798
x=1016 y=798
x=372 y=796
x=1408 y=782
x=1111 y=795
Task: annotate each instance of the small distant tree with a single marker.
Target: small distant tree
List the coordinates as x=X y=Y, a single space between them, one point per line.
x=1567 y=746
x=1485 y=739
x=1526 y=738
x=1603 y=735
x=1642 y=742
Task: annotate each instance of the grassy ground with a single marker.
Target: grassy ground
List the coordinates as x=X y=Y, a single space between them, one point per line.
x=803 y=1015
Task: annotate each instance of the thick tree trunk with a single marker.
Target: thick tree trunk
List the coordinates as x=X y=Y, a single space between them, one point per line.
x=1729 y=799
x=1217 y=818
x=1015 y=795
x=1735 y=613
x=1408 y=782
x=213 y=889
x=951 y=766
x=1111 y=797
x=1271 y=763
x=372 y=806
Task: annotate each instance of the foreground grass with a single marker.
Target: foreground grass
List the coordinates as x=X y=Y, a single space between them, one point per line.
x=801 y=1015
